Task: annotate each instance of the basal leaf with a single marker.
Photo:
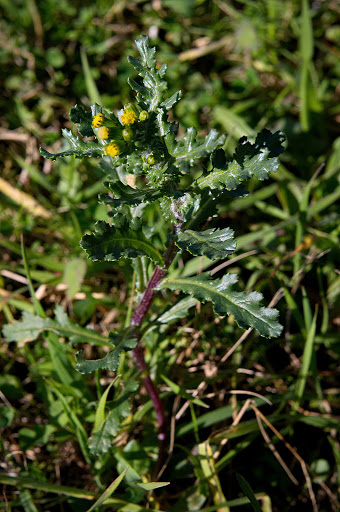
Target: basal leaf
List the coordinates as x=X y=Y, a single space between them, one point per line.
x=28 y=329
x=124 y=340
x=213 y=243
x=109 y=243
x=249 y=160
x=31 y=326
x=246 y=308
x=101 y=440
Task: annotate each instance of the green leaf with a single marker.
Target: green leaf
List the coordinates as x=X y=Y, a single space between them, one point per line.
x=84 y=119
x=109 y=243
x=246 y=308
x=140 y=89
x=181 y=391
x=124 y=194
x=91 y=87
x=100 y=411
x=213 y=243
x=39 y=434
x=134 y=457
x=7 y=414
x=248 y=492
x=307 y=355
x=37 y=306
x=147 y=53
x=74 y=274
x=74 y=420
x=191 y=149
x=26 y=501
x=150 y=486
x=108 y=492
x=178 y=310
x=124 y=340
x=250 y=160
x=170 y=102
x=31 y=326
x=78 y=148
x=101 y=440
x=153 y=86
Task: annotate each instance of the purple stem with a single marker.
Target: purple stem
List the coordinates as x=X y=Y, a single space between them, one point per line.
x=138 y=354
x=148 y=297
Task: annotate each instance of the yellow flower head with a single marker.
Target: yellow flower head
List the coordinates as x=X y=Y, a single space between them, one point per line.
x=103 y=132
x=97 y=120
x=112 y=149
x=128 y=117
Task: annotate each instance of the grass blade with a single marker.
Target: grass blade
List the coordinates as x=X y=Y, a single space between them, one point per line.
x=248 y=492
x=107 y=493
x=306 y=362
x=209 y=470
x=91 y=87
x=37 y=306
x=306 y=51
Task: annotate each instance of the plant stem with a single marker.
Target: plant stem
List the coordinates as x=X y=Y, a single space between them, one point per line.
x=148 y=297
x=138 y=353
x=138 y=356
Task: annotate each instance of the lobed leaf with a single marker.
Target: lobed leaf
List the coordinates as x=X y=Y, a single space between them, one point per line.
x=83 y=119
x=147 y=53
x=101 y=440
x=170 y=102
x=134 y=196
x=124 y=340
x=153 y=86
x=78 y=148
x=213 y=243
x=31 y=326
x=191 y=149
x=109 y=243
x=246 y=308
x=250 y=160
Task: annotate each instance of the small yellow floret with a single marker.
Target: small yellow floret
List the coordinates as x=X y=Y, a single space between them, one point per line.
x=103 y=132
x=129 y=117
x=112 y=149
x=97 y=120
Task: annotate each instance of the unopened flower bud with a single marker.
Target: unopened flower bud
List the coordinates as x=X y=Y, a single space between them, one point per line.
x=144 y=115
x=127 y=134
x=151 y=159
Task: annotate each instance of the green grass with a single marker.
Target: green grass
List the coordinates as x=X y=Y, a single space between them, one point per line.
x=274 y=64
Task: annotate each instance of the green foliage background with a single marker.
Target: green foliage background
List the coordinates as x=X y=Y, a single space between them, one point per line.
x=242 y=66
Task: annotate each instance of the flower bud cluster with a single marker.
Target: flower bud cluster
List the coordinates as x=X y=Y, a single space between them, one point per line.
x=117 y=138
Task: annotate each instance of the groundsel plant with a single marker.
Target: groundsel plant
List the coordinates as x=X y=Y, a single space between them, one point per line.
x=146 y=161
